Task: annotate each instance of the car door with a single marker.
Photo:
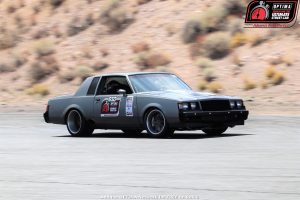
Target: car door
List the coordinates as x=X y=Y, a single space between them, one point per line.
x=113 y=110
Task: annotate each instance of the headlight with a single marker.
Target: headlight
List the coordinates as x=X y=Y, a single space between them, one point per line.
x=239 y=104
x=236 y=104
x=183 y=106
x=232 y=104
x=188 y=106
x=193 y=106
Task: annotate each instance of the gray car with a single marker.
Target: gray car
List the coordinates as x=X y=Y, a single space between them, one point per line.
x=159 y=103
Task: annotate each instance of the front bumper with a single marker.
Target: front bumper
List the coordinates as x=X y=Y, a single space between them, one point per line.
x=232 y=117
x=46 y=117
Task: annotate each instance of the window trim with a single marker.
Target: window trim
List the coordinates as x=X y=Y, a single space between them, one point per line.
x=98 y=93
x=93 y=94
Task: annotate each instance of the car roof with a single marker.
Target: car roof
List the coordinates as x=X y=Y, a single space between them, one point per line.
x=130 y=73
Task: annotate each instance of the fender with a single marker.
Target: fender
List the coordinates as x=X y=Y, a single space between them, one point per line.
x=72 y=106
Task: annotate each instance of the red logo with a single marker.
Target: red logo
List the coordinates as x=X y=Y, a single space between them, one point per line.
x=105 y=107
x=260 y=12
x=271 y=14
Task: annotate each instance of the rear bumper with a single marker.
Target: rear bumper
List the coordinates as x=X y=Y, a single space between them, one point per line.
x=46 y=117
x=200 y=119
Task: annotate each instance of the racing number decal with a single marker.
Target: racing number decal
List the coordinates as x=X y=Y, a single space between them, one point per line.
x=110 y=107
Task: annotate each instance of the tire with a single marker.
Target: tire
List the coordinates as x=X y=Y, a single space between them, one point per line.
x=77 y=124
x=132 y=132
x=214 y=131
x=156 y=124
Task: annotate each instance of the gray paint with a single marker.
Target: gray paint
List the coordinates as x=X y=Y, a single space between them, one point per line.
x=166 y=101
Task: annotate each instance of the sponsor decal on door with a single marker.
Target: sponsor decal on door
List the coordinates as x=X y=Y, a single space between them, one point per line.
x=110 y=107
x=129 y=106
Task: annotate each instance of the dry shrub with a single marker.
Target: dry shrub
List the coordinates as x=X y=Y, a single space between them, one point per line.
x=8 y=39
x=249 y=84
x=42 y=68
x=152 y=59
x=6 y=67
x=237 y=61
x=211 y=20
x=139 y=2
x=56 y=31
x=50 y=60
x=191 y=30
x=216 y=45
x=18 y=59
x=171 y=29
x=12 y=63
x=209 y=74
x=194 y=50
x=235 y=25
x=277 y=60
x=288 y=60
x=43 y=47
x=270 y=71
x=277 y=78
x=114 y=16
x=11 y=7
x=83 y=71
x=36 y=8
x=39 y=89
x=214 y=19
x=215 y=87
x=19 y=22
x=99 y=65
x=256 y=39
x=67 y=76
x=56 y=3
x=238 y=39
x=204 y=63
x=104 y=52
x=202 y=85
x=76 y=25
x=140 y=47
x=264 y=84
x=234 y=7
x=41 y=33
x=86 y=52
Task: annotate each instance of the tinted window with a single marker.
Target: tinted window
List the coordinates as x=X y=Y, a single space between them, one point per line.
x=93 y=86
x=111 y=85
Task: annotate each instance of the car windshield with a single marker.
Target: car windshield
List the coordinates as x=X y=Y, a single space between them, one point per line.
x=157 y=82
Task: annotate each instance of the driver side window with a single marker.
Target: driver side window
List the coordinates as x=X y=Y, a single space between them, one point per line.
x=110 y=85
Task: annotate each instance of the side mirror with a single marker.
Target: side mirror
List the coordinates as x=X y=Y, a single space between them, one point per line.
x=123 y=92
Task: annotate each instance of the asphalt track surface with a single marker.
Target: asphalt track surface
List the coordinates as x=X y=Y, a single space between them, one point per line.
x=260 y=160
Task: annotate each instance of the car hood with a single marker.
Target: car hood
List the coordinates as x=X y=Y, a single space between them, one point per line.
x=184 y=95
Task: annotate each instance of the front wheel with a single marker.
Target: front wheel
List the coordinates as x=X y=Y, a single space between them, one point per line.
x=156 y=124
x=77 y=125
x=214 y=131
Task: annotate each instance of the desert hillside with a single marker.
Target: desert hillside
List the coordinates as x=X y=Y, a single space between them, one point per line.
x=47 y=47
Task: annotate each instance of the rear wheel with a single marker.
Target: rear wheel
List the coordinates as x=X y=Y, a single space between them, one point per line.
x=156 y=124
x=77 y=124
x=215 y=131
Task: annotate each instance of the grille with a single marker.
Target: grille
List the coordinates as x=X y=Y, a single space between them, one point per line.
x=215 y=105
